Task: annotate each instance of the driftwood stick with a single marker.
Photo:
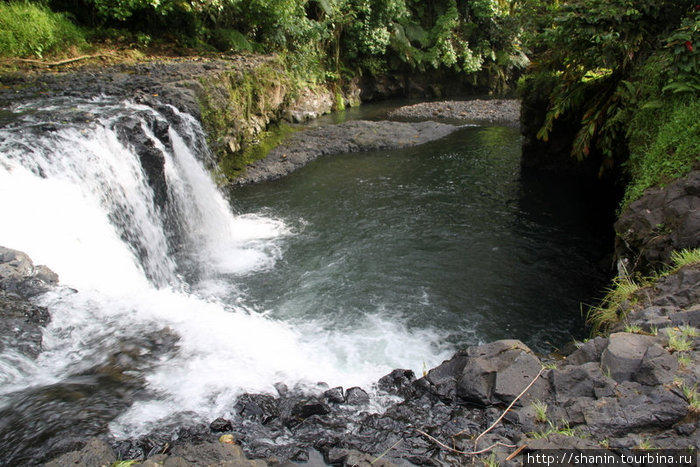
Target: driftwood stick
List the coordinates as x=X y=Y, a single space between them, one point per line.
x=464 y=453
x=476 y=441
x=60 y=62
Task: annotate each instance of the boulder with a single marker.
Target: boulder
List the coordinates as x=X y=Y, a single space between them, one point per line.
x=18 y=274
x=658 y=367
x=262 y=408
x=661 y=221
x=590 y=351
x=633 y=410
x=356 y=396
x=623 y=356
x=334 y=395
x=498 y=372
x=576 y=381
x=398 y=382
x=96 y=453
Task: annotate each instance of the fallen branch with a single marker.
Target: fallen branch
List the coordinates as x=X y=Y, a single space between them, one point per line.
x=522 y=393
x=464 y=453
x=60 y=62
x=476 y=452
x=387 y=451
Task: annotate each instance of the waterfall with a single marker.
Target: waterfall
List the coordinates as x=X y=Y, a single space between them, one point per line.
x=115 y=197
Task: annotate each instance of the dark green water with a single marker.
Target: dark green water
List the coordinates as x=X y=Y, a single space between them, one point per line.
x=448 y=237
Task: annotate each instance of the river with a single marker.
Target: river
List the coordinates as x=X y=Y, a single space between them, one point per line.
x=174 y=304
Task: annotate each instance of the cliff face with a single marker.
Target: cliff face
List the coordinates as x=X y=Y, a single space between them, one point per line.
x=663 y=220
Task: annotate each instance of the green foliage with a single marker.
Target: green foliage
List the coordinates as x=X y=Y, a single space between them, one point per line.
x=562 y=428
x=595 y=45
x=664 y=143
x=678 y=342
x=611 y=308
x=540 y=409
x=32 y=29
x=684 y=70
x=685 y=258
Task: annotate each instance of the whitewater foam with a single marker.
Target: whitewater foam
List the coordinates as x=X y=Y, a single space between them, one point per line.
x=77 y=200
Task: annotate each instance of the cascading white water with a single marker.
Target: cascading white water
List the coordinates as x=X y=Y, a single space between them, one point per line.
x=75 y=197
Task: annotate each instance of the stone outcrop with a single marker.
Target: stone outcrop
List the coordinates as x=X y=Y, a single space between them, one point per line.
x=20 y=320
x=611 y=393
x=664 y=219
x=353 y=136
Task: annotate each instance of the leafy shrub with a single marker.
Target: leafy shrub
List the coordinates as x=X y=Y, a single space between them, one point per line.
x=32 y=29
x=673 y=148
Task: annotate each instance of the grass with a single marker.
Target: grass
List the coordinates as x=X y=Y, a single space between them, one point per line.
x=609 y=312
x=689 y=331
x=622 y=291
x=540 y=411
x=684 y=360
x=678 y=342
x=645 y=445
x=490 y=461
x=691 y=395
x=30 y=29
x=684 y=258
x=563 y=429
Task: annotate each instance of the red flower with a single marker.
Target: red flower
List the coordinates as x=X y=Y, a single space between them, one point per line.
x=689 y=46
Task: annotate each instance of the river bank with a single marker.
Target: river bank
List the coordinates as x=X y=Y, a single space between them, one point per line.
x=622 y=392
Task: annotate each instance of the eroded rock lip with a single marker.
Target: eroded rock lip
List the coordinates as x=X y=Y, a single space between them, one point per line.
x=476 y=110
x=353 y=136
x=20 y=320
x=661 y=221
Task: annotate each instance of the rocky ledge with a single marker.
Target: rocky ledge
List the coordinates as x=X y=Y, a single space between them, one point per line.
x=354 y=136
x=476 y=110
x=619 y=394
x=622 y=392
x=20 y=319
x=660 y=222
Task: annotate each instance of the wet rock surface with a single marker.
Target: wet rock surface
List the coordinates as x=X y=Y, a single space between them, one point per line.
x=611 y=393
x=476 y=110
x=354 y=136
x=20 y=320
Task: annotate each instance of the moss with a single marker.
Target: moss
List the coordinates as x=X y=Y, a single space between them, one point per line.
x=237 y=106
x=233 y=165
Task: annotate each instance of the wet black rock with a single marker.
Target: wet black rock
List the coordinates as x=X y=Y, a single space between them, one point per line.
x=220 y=425
x=21 y=321
x=261 y=408
x=661 y=221
x=334 y=395
x=356 y=396
x=399 y=383
x=96 y=453
x=18 y=275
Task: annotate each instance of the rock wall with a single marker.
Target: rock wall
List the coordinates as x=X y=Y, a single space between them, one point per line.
x=663 y=220
x=21 y=320
x=238 y=105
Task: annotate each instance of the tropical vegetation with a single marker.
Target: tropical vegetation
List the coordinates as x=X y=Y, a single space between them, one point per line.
x=627 y=72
